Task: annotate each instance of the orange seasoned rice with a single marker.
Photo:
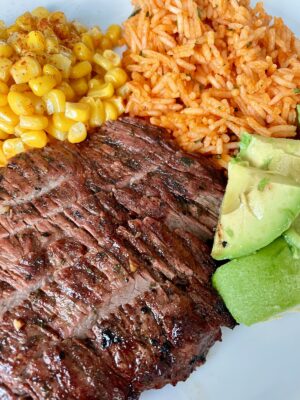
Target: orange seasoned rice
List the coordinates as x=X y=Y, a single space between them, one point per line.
x=211 y=69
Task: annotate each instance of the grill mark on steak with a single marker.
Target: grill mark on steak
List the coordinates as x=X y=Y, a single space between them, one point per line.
x=101 y=268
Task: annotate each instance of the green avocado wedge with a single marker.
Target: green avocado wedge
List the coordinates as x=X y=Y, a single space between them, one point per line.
x=260 y=286
x=281 y=156
x=258 y=207
x=292 y=236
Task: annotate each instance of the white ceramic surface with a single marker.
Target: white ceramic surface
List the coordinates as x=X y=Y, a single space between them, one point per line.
x=258 y=363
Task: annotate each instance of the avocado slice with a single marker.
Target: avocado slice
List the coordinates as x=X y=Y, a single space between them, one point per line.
x=258 y=207
x=260 y=286
x=281 y=156
x=292 y=236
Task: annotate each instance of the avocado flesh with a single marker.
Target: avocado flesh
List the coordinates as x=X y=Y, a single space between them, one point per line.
x=292 y=236
x=278 y=155
x=258 y=287
x=252 y=199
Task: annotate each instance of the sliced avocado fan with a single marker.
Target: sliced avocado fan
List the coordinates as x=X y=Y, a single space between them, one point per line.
x=258 y=207
x=258 y=287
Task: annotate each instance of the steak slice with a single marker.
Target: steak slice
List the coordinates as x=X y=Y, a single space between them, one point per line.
x=104 y=268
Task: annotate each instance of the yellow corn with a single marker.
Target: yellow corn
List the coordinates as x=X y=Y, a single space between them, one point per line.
x=19 y=87
x=7 y=128
x=117 y=76
x=96 y=34
x=20 y=103
x=119 y=103
x=40 y=12
x=79 y=112
x=55 y=101
x=88 y=41
x=3 y=135
x=38 y=102
x=18 y=42
x=77 y=133
x=4 y=89
x=12 y=147
x=104 y=91
x=34 y=122
x=103 y=62
x=113 y=57
x=61 y=122
x=25 y=22
x=36 y=41
x=97 y=116
x=19 y=131
x=82 y=52
x=68 y=90
x=95 y=83
x=42 y=85
x=114 y=33
x=35 y=139
x=5 y=49
x=111 y=112
x=5 y=69
x=25 y=69
x=7 y=115
x=81 y=69
x=61 y=62
x=52 y=45
x=106 y=43
x=3 y=160
x=80 y=86
x=56 y=133
x=3 y=100
x=49 y=69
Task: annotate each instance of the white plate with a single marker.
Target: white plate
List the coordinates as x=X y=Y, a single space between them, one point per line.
x=258 y=363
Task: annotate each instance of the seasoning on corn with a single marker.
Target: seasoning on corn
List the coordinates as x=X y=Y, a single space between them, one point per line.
x=57 y=80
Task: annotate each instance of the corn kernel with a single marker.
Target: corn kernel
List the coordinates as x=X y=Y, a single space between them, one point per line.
x=56 y=133
x=79 y=112
x=36 y=41
x=55 y=101
x=123 y=91
x=52 y=45
x=119 y=103
x=5 y=50
x=111 y=112
x=12 y=147
x=17 y=41
x=68 y=91
x=7 y=128
x=49 y=69
x=97 y=117
x=25 y=69
x=114 y=33
x=5 y=69
x=20 y=103
x=95 y=83
x=42 y=85
x=3 y=100
x=35 y=139
x=40 y=12
x=34 y=122
x=19 y=131
x=4 y=89
x=62 y=63
x=38 y=102
x=96 y=34
x=117 y=76
x=82 y=52
x=8 y=116
x=3 y=160
x=80 y=70
x=113 y=57
x=3 y=135
x=57 y=18
x=103 y=62
x=77 y=133
x=19 y=87
x=25 y=22
x=61 y=122
x=103 y=92
x=106 y=43
x=88 y=41
x=80 y=86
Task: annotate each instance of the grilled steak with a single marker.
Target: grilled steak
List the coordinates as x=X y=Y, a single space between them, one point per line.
x=104 y=270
